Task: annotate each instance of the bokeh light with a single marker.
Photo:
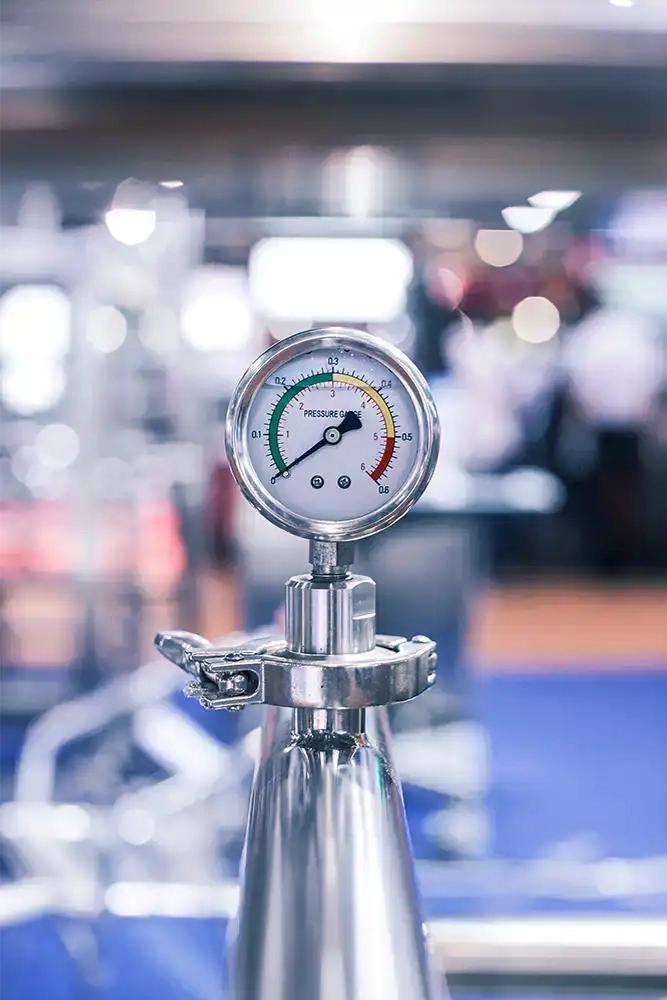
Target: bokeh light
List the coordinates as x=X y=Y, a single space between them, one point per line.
x=106 y=329
x=35 y=321
x=57 y=445
x=32 y=388
x=216 y=314
x=535 y=319
x=340 y=279
x=159 y=330
x=131 y=226
x=498 y=247
x=445 y=286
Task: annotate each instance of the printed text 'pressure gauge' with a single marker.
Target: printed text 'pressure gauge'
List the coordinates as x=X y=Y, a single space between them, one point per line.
x=332 y=434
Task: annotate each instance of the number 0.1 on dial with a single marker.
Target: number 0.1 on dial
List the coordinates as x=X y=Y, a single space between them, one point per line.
x=333 y=430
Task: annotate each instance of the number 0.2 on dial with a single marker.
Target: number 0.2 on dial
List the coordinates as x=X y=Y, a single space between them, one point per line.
x=334 y=431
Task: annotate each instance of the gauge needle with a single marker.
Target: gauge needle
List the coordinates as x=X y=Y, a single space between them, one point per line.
x=332 y=435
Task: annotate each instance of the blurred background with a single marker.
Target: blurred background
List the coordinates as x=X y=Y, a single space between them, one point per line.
x=484 y=185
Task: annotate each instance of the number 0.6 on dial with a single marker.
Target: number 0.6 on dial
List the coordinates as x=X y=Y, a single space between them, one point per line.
x=332 y=434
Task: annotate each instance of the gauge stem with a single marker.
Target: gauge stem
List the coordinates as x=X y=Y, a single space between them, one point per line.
x=331 y=559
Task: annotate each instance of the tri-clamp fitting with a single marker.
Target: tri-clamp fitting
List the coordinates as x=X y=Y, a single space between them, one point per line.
x=330 y=657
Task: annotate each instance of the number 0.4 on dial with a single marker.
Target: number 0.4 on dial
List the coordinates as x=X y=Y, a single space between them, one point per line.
x=331 y=433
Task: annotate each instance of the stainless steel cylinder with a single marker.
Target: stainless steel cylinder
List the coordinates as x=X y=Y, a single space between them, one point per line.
x=331 y=558
x=333 y=720
x=329 y=615
x=329 y=904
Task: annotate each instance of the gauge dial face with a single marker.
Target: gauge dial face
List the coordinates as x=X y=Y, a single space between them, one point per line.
x=334 y=433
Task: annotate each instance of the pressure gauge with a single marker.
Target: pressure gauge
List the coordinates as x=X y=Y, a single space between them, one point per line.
x=332 y=434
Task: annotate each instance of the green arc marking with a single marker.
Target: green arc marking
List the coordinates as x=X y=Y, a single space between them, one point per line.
x=286 y=398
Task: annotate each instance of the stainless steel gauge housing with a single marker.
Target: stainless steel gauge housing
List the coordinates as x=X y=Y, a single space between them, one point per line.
x=332 y=434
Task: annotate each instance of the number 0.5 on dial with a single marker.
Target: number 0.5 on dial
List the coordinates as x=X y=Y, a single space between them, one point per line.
x=332 y=435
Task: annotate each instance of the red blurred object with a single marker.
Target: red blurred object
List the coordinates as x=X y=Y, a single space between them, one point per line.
x=40 y=540
x=220 y=512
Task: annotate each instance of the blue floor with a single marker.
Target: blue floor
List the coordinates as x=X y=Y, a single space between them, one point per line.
x=577 y=755
x=579 y=764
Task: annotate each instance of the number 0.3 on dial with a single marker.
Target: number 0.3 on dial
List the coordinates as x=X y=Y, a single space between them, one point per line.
x=332 y=434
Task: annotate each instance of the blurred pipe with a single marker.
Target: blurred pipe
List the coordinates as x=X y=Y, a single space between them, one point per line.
x=27 y=899
x=36 y=771
x=150 y=684
x=553 y=946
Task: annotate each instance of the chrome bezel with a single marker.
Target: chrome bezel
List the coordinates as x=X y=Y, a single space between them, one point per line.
x=236 y=430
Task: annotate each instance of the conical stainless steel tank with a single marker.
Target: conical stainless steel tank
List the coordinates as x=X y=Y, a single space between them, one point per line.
x=329 y=905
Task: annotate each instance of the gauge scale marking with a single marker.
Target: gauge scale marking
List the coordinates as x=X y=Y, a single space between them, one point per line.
x=332 y=434
x=321 y=378
x=326 y=419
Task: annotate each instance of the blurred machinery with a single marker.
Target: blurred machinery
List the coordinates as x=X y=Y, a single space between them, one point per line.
x=106 y=415
x=177 y=194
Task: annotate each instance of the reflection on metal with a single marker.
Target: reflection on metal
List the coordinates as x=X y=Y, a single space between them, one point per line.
x=329 y=904
x=177 y=647
x=268 y=672
x=327 y=618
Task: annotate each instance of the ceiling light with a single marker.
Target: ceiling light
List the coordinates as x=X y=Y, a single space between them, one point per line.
x=35 y=321
x=130 y=218
x=171 y=184
x=354 y=181
x=30 y=388
x=353 y=280
x=217 y=314
x=557 y=201
x=130 y=225
x=527 y=218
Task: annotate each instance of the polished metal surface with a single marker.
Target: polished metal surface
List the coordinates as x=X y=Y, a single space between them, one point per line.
x=329 y=907
x=333 y=720
x=329 y=904
x=236 y=434
x=331 y=558
x=327 y=616
x=396 y=669
x=177 y=647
